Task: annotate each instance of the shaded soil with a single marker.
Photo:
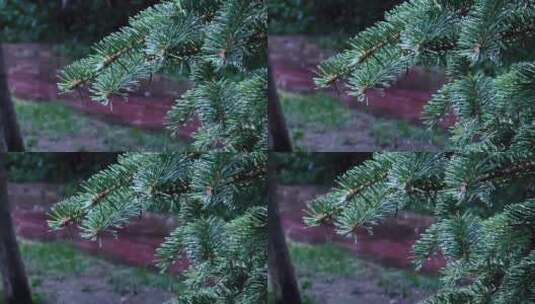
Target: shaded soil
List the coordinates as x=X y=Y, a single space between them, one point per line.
x=295 y=59
x=135 y=245
x=33 y=75
x=360 y=288
x=391 y=242
x=356 y=136
x=388 y=248
x=389 y=245
x=67 y=144
x=54 y=127
x=91 y=288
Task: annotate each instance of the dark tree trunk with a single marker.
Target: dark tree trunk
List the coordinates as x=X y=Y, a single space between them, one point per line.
x=278 y=131
x=16 y=288
x=281 y=270
x=11 y=131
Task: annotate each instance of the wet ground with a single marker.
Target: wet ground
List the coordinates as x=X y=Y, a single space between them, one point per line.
x=33 y=71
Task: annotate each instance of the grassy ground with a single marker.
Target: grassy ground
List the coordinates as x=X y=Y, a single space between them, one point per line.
x=325 y=270
x=54 y=126
x=50 y=266
x=318 y=111
x=319 y=122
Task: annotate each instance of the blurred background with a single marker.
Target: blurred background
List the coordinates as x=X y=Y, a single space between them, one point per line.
x=304 y=33
x=41 y=37
x=61 y=267
x=331 y=269
x=336 y=17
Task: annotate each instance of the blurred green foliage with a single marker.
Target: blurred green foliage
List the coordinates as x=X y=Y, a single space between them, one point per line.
x=79 y=22
x=55 y=167
x=325 y=17
x=290 y=16
x=313 y=168
x=22 y=20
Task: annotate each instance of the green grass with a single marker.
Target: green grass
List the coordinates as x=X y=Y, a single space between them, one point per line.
x=53 y=259
x=56 y=122
x=322 y=259
x=325 y=259
x=53 y=118
x=400 y=283
x=62 y=260
x=331 y=260
x=49 y=259
x=125 y=279
x=386 y=132
x=319 y=111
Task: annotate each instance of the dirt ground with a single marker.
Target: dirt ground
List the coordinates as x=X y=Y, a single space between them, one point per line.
x=33 y=74
x=95 y=284
x=356 y=136
x=295 y=60
x=91 y=287
x=363 y=287
x=135 y=245
x=388 y=248
x=390 y=244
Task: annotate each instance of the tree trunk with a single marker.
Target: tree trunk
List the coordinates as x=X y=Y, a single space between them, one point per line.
x=278 y=131
x=11 y=131
x=3 y=147
x=281 y=271
x=16 y=288
x=3 y=141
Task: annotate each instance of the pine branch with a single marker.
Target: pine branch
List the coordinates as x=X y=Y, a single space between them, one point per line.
x=482 y=46
x=488 y=247
x=220 y=209
x=219 y=45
